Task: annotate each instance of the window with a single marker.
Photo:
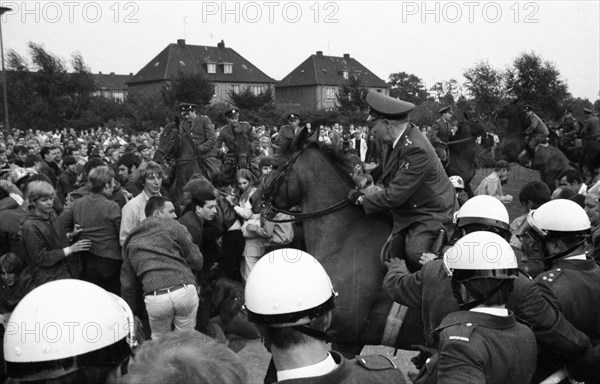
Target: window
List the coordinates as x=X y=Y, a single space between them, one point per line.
x=235 y=88
x=211 y=68
x=257 y=90
x=228 y=68
x=345 y=74
x=330 y=92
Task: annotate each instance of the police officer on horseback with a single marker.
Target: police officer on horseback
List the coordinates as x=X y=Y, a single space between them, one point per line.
x=239 y=142
x=199 y=129
x=440 y=135
x=536 y=133
x=288 y=132
x=417 y=190
x=569 y=129
x=591 y=128
x=292 y=321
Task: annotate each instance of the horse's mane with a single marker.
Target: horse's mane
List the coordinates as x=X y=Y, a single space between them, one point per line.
x=341 y=161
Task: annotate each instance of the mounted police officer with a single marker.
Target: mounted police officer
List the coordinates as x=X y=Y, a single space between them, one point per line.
x=591 y=127
x=570 y=129
x=536 y=133
x=240 y=142
x=417 y=189
x=293 y=320
x=288 y=132
x=199 y=129
x=440 y=134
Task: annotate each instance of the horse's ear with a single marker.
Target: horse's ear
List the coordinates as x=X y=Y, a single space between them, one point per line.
x=314 y=136
x=299 y=140
x=466 y=115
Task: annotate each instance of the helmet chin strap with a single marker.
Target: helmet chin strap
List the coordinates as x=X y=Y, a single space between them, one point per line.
x=550 y=259
x=466 y=306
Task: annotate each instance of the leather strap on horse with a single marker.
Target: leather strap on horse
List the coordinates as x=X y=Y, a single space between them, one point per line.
x=393 y=324
x=303 y=216
x=461 y=141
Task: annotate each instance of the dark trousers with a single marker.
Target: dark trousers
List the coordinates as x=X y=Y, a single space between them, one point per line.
x=233 y=246
x=102 y=271
x=410 y=243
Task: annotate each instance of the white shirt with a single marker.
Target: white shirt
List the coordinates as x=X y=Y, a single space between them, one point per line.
x=400 y=135
x=319 y=369
x=492 y=311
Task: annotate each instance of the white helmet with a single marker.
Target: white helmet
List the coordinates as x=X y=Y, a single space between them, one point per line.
x=480 y=254
x=560 y=215
x=59 y=322
x=457 y=182
x=485 y=210
x=286 y=288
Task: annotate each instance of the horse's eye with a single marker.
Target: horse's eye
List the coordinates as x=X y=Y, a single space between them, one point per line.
x=172 y=138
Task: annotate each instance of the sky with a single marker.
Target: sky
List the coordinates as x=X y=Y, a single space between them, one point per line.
x=435 y=40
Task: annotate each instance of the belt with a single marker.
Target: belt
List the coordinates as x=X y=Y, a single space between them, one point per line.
x=167 y=290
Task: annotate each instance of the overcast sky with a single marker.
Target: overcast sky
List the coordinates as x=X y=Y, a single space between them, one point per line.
x=433 y=40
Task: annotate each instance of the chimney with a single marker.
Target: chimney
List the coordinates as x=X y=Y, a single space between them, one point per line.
x=130 y=74
x=319 y=53
x=221 y=44
x=112 y=73
x=100 y=72
x=181 y=43
x=346 y=55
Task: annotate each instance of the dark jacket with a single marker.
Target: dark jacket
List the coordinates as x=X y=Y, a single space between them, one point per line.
x=591 y=128
x=239 y=141
x=100 y=219
x=481 y=348
x=203 y=135
x=10 y=235
x=417 y=188
x=430 y=290
x=372 y=369
x=440 y=133
x=44 y=241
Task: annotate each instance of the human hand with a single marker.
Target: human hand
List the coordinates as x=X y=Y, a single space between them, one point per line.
x=395 y=262
x=81 y=245
x=76 y=230
x=426 y=257
x=354 y=195
x=252 y=227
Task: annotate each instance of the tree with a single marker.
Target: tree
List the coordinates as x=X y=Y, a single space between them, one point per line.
x=249 y=100
x=407 y=87
x=537 y=82
x=44 y=94
x=447 y=92
x=188 y=87
x=485 y=86
x=351 y=97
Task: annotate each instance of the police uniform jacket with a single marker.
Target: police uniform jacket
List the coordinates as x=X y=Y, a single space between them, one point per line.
x=536 y=126
x=372 y=369
x=238 y=138
x=576 y=286
x=430 y=291
x=569 y=126
x=591 y=129
x=481 y=348
x=203 y=135
x=440 y=133
x=286 y=135
x=416 y=185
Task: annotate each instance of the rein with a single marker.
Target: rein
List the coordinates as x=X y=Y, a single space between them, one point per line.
x=269 y=210
x=461 y=140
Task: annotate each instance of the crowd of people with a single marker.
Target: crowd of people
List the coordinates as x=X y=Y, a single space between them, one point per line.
x=91 y=231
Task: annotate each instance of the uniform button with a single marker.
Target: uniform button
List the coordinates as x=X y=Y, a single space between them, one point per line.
x=469 y=324
x=552 y=275
x=557 y=269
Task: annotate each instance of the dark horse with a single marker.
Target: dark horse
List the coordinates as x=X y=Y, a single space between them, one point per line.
x=173 y=145
x=345 y=240
x=462 y=147
x=549 y=160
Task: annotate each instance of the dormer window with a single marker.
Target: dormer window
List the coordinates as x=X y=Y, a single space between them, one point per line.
x=228 y=68
x=345 y=74
x=211 y=68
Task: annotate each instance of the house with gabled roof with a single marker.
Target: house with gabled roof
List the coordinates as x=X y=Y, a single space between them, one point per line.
x=315 y=83
x=227 y=69
x=111 y=85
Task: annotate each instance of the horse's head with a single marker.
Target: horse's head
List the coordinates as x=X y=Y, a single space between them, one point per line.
x=280 y=189
x=469 y=127
x=169 y=142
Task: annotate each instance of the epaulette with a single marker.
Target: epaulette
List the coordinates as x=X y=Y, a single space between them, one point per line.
x=458 y=331
x=375 y=362
x=551 y=274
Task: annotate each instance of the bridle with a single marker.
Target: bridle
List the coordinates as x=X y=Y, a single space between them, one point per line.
x=268 y=209
x=178 y=161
